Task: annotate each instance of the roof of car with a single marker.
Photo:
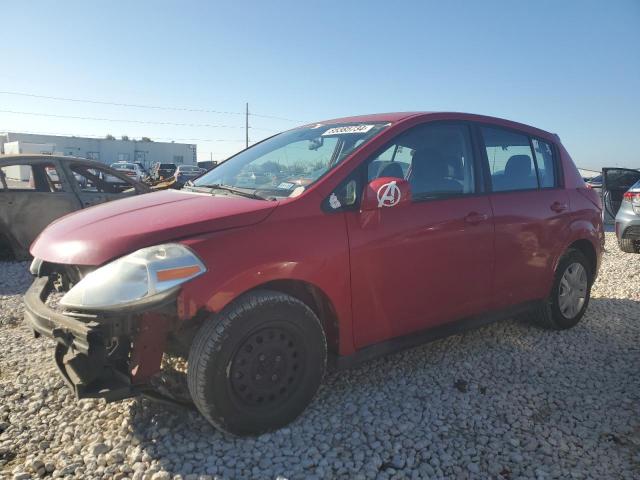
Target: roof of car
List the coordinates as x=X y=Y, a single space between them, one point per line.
x=26 y=157
x=395 y=117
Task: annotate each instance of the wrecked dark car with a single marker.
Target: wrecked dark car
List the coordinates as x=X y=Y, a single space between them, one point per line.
x=35 y=190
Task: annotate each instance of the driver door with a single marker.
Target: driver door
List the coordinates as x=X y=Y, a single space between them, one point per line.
x=431 y=261
x=615 y=183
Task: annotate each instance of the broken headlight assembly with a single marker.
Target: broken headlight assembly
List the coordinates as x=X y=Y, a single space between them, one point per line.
x=138 y=278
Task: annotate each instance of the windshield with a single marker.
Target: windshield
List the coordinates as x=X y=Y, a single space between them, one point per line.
x=286 y=164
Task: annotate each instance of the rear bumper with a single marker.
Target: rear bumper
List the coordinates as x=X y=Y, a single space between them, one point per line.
x=94 y=352
x=627 y=223
x=628 y=229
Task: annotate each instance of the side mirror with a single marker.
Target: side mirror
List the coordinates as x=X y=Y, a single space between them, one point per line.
x=386 y=192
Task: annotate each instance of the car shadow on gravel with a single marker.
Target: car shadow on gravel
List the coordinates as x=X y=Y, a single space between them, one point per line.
x=576 y=389
x=15 y=278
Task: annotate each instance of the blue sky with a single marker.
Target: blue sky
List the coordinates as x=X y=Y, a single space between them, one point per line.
x=571 y=67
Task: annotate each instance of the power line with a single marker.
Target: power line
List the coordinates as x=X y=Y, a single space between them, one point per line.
x=144 y=122
x=135 y=105
x=102 y=137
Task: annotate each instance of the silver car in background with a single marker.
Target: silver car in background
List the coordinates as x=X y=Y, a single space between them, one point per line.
x=628 y=220
x=621 y=200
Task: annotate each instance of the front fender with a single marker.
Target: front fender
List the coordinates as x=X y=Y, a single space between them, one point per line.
x=312 y=249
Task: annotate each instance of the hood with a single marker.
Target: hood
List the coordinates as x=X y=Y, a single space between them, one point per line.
x=101 y=233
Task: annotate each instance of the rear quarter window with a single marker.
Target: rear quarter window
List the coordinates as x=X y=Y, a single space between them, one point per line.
x=546 y=162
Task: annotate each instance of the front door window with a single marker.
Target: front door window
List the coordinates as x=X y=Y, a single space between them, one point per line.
x=437 y=160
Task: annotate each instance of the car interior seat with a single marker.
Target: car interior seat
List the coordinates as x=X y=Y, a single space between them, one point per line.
x=430 y=173
x=518 y=173
x=392 y=169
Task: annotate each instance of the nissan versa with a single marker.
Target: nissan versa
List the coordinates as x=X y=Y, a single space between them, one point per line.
x=321 y=246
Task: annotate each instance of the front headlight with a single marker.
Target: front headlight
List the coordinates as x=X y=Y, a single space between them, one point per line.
x=134 y=278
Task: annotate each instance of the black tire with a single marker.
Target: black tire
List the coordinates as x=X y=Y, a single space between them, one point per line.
x=628 y=245
x=549 y=314
x=258 y=364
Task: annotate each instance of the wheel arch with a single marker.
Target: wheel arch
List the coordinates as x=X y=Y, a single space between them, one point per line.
x=309 y=294
x=588 y=250
x=316 y=299
x=585 y=236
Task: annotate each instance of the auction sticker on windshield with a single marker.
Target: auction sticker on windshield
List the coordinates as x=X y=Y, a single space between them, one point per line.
x=348 y=129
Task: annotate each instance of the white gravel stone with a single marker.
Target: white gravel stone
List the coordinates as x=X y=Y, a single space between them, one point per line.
x=507 y=401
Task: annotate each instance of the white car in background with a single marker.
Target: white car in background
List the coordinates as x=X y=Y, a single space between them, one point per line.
x=130 y=169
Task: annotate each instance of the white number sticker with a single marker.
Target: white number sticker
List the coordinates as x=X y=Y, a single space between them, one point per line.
x=348 y=129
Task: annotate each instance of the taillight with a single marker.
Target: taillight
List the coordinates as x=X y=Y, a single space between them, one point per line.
x=634 y=199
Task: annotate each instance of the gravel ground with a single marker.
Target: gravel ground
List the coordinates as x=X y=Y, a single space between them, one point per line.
x=506 y=401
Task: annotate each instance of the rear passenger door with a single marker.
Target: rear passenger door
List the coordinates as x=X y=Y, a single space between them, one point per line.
x=530 y=210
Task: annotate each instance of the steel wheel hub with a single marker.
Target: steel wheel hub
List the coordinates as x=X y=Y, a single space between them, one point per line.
x=573 y=290
x=266 y=367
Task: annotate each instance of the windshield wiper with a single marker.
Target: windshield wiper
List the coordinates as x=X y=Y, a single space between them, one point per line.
x=243 y=192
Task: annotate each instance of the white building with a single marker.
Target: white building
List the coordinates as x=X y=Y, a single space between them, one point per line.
x=102 y=149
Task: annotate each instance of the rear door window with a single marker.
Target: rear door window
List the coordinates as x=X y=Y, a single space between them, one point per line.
x=510 y=158
x=18 y=177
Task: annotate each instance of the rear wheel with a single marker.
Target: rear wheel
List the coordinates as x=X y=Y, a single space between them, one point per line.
x=570 y=293
x=628 y=245
x=258 y=364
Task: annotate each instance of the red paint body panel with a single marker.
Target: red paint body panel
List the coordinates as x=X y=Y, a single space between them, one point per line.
x=95 y=235
x=410 y=266
x=308 y=246
x=148 y=347
x=527 y=236
x=386 y=272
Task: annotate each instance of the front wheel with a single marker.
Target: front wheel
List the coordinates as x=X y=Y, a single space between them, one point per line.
x=570 y=292
x=257 y=365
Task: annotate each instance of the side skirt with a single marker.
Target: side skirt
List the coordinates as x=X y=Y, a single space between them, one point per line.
x=416 y=339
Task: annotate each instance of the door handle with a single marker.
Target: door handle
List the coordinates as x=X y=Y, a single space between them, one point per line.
x=474 y=218
x=559 y=207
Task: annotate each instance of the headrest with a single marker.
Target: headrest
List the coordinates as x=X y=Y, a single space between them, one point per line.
x=429 y=162
x=518 y=166
x=392 y=169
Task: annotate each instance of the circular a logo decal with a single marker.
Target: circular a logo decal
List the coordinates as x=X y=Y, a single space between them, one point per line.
x=388 y=195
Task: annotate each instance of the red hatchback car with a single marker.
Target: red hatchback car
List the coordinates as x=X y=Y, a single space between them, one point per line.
x=324 y=245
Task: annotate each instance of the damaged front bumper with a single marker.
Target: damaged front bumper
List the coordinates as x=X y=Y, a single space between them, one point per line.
x=102 y=355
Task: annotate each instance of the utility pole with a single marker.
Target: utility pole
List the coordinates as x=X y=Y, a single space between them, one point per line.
x=246 y=126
